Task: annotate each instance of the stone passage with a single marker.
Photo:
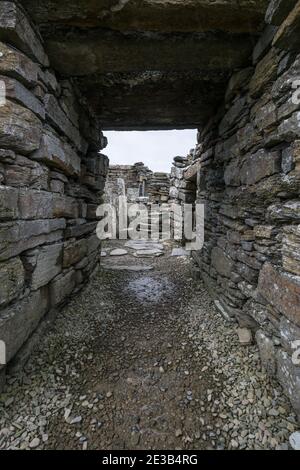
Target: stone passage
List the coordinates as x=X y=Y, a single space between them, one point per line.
x=51 y=181
x=230 y=69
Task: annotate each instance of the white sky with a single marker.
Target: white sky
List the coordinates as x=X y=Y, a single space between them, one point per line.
x=155 y=148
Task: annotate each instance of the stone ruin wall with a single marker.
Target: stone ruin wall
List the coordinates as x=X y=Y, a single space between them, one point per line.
x=129 y=179
x=51 y=182
x=247 y=169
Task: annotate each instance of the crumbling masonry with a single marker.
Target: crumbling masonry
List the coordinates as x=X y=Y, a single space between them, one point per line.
x=232 y=70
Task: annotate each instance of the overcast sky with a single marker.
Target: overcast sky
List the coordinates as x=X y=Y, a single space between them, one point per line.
x=155 y=148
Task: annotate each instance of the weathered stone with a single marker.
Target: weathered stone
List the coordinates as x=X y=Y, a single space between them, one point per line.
x=278 y=10
x=64 y=206
x=20 y=129
x=289 y=376
x=289 y=129
x=230 y=118
x=287 y=163
x=18 y=65
x=59 y=154
x=291 y=250
x=221 y=262
x=265 y=70
x=17 y=237
x=62 y=287
x=248 y=273
x=8 y=203
x=232 y=174
x=237 y=82
x=27 y=173
x=259 y=165
x=267 y=353
x=265 y=231
x=16 y=29
x=74 y=251
x=20 y=320
x=61 y=122
x=289 y=335
x=48 y=264
x=245 y=336
x=282 y=290
x=11 y=281
x=80 y=229
x=287 y=37
x=34 y=204
x=287 y=211
x=17 y=92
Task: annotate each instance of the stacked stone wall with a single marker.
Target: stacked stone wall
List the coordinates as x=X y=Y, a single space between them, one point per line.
x=52 y=179
x=248 y=158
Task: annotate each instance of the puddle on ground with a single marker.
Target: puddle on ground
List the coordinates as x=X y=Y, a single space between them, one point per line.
x=149 y=289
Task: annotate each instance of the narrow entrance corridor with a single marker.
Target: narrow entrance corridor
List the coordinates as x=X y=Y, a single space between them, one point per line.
x=141 y=359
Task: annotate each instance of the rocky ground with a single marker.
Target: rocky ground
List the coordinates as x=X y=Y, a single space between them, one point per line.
x=141 y=359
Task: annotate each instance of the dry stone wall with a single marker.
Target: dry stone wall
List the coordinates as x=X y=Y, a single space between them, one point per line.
x=247 y=163
x=52 y=179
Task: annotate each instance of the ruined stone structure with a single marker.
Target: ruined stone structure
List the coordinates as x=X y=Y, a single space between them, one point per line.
x=137 y=183
x=229 y=68
x=52 y=178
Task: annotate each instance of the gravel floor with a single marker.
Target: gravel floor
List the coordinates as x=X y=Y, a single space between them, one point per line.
x=142 y=360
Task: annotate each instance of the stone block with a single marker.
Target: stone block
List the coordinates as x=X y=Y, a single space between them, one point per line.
x=17 y=92
x=27 y=173
x=35 y=204
x=74 y=251
x=259 y=165
x=289 y=335
x=8 y=203
x=17 y=65
x=47 y=264
x=232 y=174
x=65 y=206
x=19 y=321
x=11 y=280
x=93 y=244
x=80 y=229
x=221 y=262
x=288 y=211
x=17 y=237
x=282 y=290
x=265 y=71
x=289 y=377
x=233 y=115
x=247 y=273
x=291 y=249
x=61 y=122
x=20 y=129
x=267 y=352
x=245 y=336
x=289 y=129
x=62 y=287
x=265 y=231
x=15 y=29
x=55 y=152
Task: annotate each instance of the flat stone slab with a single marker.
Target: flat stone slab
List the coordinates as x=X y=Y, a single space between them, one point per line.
x=103 y=254
x=128 y=268
x=148 y=253
x=179 y=252
x=118 y=252
x=144 y=245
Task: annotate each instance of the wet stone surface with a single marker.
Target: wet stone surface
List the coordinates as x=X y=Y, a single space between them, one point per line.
x=143 y=360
